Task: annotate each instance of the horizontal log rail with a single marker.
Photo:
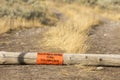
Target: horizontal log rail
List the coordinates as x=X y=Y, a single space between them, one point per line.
x=59 y=59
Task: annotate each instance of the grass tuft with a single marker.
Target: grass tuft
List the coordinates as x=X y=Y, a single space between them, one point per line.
x=72 y=36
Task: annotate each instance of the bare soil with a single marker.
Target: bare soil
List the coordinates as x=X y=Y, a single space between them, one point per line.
x=105 y=39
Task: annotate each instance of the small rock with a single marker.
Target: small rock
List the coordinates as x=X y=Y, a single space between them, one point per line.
x=99 y=68
x=105 y=34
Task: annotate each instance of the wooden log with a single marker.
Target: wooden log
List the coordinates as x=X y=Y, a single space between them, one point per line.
x=17 y=58
x=48 y=58
x=93 y=59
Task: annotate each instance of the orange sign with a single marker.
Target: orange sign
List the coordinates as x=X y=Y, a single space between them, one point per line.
x=49 y=58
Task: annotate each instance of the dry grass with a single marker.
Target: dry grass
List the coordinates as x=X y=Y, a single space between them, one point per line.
x=72 y=36
x=112 y=15
x=4 y=25
x=109 y=14
x=15 y=15
x=8 y=24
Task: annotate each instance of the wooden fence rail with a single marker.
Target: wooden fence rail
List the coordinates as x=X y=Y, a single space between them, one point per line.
x=59 y=59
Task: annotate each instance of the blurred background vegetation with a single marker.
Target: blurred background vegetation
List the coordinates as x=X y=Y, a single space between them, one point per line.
x=28 y=9
x=107 y=4
x=32 y=9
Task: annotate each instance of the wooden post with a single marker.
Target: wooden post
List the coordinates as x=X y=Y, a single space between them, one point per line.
x=48 y=58
x=92 y=59
x=17 y=58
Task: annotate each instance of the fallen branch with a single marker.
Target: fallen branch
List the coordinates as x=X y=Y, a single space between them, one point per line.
x=59 y=59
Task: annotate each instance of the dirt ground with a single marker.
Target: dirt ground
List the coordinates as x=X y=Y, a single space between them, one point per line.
x=104 y=38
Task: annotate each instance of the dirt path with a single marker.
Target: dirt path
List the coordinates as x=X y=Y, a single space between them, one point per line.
x=105 y=39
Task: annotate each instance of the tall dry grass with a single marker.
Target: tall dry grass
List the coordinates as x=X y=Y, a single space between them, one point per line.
x=113 y=15
x=8 y=24
x=18 y=14
x=72 y=35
